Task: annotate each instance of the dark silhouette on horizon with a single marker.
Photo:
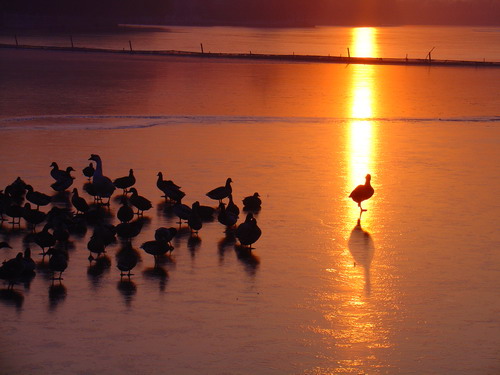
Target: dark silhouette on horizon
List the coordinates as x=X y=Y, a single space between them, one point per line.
x=74 y=15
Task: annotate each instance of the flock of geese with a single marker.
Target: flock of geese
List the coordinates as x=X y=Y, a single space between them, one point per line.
x=20 y=201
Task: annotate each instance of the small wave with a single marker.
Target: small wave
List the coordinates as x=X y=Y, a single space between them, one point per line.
x=117 y=122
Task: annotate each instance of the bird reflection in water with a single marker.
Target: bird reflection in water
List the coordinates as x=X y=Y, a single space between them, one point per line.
x=226 y=243
x=96 y=270
x=12 y=297
x=248 y=259
x=128 y=289
x=57 y=294
x=193 y=245
x=362 y=248
x=157 y=273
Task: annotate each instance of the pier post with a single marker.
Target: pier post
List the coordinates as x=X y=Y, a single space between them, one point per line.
x=17 y=44
x=201 y=45
x=130 y=45
x=348 y=53
x=429 y=54
x=71 y=38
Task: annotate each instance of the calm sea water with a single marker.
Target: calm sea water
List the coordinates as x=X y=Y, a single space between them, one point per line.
x=447 y=43
x=412 y=289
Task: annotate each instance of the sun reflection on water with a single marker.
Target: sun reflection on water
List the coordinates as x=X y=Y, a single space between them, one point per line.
x=354 y=315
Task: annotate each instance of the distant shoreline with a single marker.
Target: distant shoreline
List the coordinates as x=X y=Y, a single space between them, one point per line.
x=272 y=57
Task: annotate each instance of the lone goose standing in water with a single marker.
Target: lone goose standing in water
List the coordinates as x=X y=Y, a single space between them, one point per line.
x=362 y=193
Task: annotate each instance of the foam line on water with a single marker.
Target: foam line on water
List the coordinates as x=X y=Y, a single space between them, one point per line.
x=116 y=122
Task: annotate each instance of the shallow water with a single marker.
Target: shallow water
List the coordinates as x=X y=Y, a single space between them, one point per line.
x=412 y=290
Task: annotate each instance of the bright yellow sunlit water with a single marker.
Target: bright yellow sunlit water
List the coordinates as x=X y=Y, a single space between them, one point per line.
x=362 y=109
x=356 y=313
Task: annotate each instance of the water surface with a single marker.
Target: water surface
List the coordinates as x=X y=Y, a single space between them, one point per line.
x=412 y=289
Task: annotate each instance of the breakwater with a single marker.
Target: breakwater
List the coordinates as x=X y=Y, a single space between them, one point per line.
x=272 y=57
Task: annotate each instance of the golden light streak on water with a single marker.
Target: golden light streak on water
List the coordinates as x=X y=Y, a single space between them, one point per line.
x=354 y=311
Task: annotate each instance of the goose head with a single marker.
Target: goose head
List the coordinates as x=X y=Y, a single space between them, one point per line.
x=95 y=157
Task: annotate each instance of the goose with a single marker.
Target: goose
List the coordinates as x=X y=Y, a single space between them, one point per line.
x=362 y=193
x=32 y=216
x=88 y=171
x=102 y=185
x=5 y=201
x=125 y=182
x=64 y=181
x=79 y=203
x=166 y=235
x=170 y=190
x=12 y=270
x=36 y=197
x=16 y=191
x=252 y=202
x=156 y=249
x=182 y=211
x=58 y=262
x=232 y=207
x=221 y=192
x=126 y=260
x=248 y=232
x=44 y=238
x=58 y=174
x=138 y=201
x=194 y=219
x=96 y=245
x=61 y=234
x=125 y=212
x=29 y=263
x=130 y=229
x=16 y=212
x=227 y=218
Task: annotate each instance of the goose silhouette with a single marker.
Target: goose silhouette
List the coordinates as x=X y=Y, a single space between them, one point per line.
x=362 y=193
x=101 y=185
x=59 y=174
x=225 y=217
x=64 y=181
x=79 y=203
x=12 y=270
x=252 y=202
x=194 y=219
x=221 y=192
x=248 y=232
x=36 y=197
x=138 y=201
x=126 y=260
x=88 y=171
x=125 y=182
x=33 y=217
x=58 y=262
x=170 y=190
x=125 y=212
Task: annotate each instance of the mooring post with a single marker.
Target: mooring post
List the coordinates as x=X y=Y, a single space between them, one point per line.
x=348 y=53
x=15 y=37
x=71 y=38
x=201 y=45
x=130 y=45
x=429 y=54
